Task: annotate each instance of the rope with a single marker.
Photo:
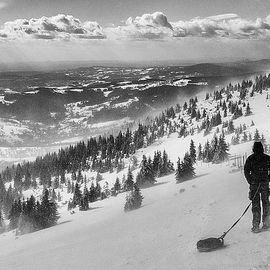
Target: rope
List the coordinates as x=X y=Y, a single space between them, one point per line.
x=225 y=233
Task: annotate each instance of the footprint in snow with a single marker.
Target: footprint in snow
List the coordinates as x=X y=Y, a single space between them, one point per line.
x=182 y=190
x=262 y=266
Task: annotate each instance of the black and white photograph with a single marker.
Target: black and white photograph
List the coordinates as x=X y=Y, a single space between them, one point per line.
x=134 y=134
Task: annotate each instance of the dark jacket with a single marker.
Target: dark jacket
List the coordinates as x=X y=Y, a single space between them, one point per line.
x=257 y=168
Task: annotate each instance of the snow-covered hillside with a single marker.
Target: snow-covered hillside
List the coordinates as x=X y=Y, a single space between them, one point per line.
x=160 y=235
x=163 y=233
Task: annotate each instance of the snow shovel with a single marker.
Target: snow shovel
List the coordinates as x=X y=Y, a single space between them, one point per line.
x=212 y=243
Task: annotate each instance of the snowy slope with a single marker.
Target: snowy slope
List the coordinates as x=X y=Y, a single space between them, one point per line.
x=163 y=233
x=160 y=235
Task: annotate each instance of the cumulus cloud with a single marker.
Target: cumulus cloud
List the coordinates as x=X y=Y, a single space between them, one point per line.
x=63 y=27
x=153 y=26
x=148 y=26
x=157 y=26
x=227 y=25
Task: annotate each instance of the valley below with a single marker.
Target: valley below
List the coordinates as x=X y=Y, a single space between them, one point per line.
x=44 y=111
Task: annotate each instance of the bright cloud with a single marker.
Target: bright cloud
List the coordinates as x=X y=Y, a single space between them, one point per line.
x=63 y=27
x=148 y=26
x=155 y=26
x=229 y=26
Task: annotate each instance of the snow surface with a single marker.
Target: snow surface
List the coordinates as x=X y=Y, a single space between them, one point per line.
x=112 y=123
x=160 y=235
x=125 y=103
x=31 y=92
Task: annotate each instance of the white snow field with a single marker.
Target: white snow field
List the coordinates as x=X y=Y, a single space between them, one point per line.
x=160 y=235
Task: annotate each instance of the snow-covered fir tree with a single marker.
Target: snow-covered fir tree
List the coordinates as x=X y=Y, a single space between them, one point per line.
x=117 y=185
x=77 y=196
x=192 y=151
x=129 y=183
x=221 y=154
x=146 y=173
x=134 y=199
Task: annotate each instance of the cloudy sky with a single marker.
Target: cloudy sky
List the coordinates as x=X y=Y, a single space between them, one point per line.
x=134 y=30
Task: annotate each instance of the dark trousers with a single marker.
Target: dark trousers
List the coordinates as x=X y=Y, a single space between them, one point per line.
x=261 y=196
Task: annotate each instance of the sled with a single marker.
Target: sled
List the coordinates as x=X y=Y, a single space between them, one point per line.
x=212 y=243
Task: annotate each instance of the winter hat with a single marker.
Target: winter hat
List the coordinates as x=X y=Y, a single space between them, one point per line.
x=258 y=148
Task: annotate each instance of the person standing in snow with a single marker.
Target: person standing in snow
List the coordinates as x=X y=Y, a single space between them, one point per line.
x=256 y=170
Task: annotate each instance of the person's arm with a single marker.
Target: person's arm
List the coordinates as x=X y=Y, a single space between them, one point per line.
x=247 y=171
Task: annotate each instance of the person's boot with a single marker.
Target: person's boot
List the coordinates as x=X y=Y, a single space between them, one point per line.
x=265 y=226
x=255 y=228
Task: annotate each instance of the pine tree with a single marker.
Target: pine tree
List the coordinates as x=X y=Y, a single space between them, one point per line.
x=62 y=177
x=204 y=113
x=2 y=190
x=27 y=180
x=18 y=177
x=245 y=137
x=187 y=167
x=256 y=135
x=198 y=115
x=70 y=206
x=68 y=187
x=193 y=113
x=248 y=110
x=106 y=189
x=59 y=197
x=117 y=185
x=80 y=177
x=225 y=113
x=179 y=172
x=54 y=197
x=56 y=183
x=14 y=214
x=34 y=183
x=230 y=127
x=8 y=201
x=27 y=221
x=192 y=151
x=1 y=220
x=146 y=174
x=137 y=197
x=92 y=193
x=73 y=176
x=72 y=187
x=222 y=151
x=166 y=166
x=157 y=163
x=200 y=153
x=263 y=141
x=48 y=213
x=218 y=120
x=77 y=195
x=84 y=203
x=97 y=191
x=129 y=183
x=207 y=152
x=133 y=199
